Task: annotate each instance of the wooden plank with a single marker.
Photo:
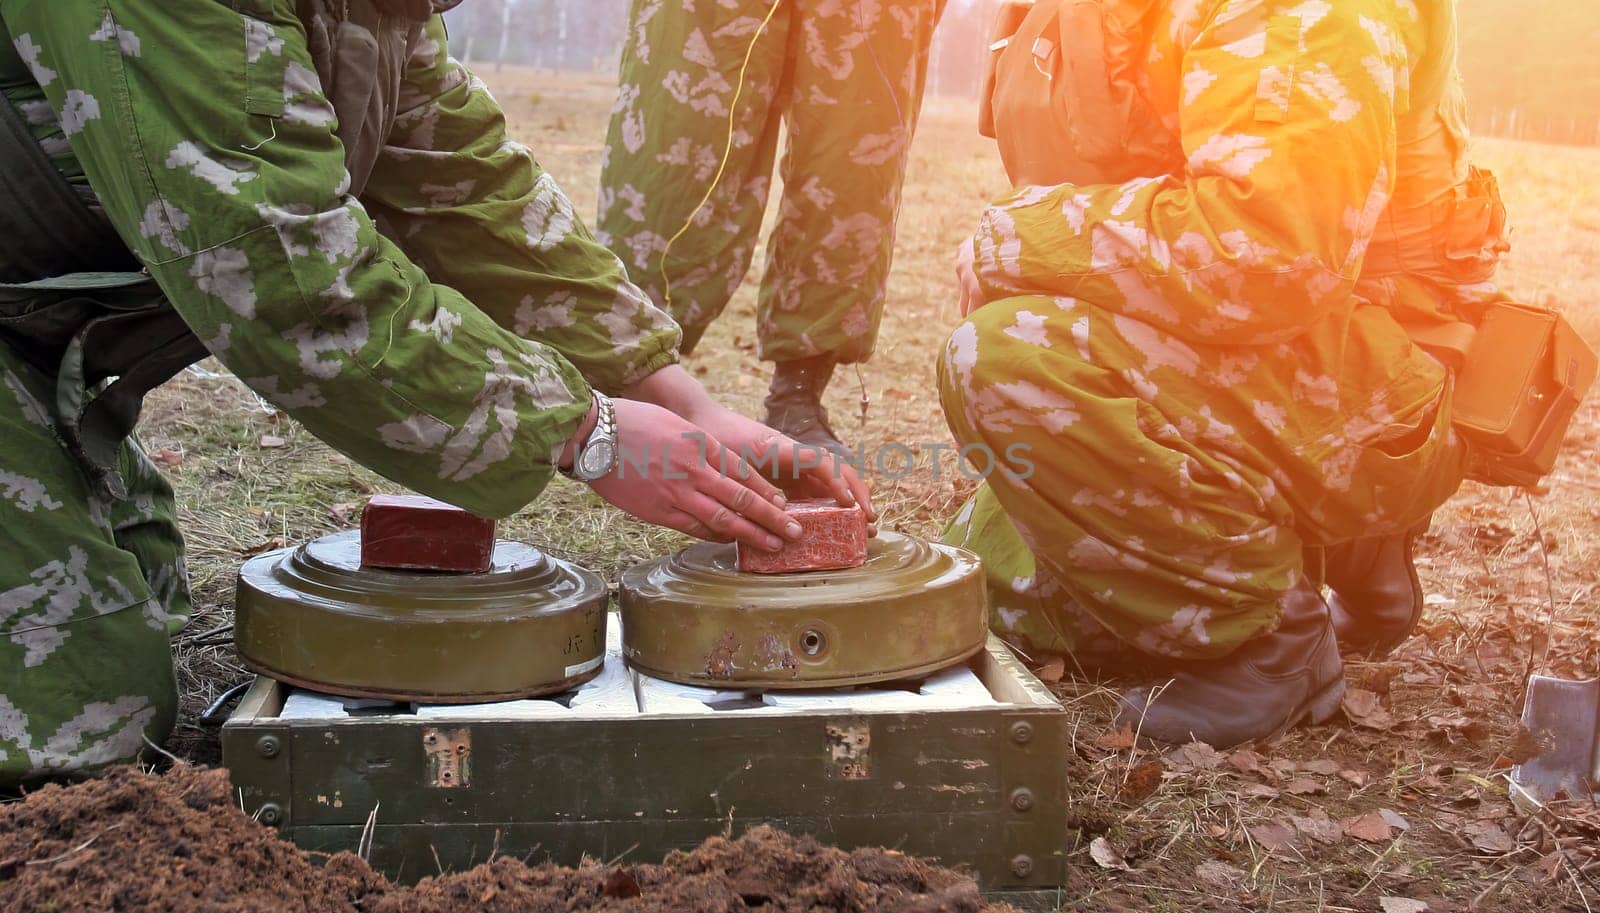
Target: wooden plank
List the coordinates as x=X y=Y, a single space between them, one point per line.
x=1009 y=680
x=654 y=767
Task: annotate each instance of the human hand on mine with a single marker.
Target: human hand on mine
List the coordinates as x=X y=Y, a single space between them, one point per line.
x=811 y=472
x=674 y=474
x=967 y=279
x=803 y=471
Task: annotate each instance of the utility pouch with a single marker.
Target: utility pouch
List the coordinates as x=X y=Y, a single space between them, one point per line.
x=1519 y=379
x=107 y=339
x=1061 y=94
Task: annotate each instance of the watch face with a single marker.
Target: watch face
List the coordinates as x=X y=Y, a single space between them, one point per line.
x=598 y=459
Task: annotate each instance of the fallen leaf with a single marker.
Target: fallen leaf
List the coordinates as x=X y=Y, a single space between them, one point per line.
x=1272 y=836
x=1322 y=830
x=257 y=549
x=1259 y=791
x=169 y=457
x=1490 y=838
x=271 y=441
x=1219 y=873
x=1364 y=709
x=1197 y=755
x=1245 y=761
x=1524 y=746
x=1356 y=778
x=345 y=512
x=620 y=884
x=1140 y=782
x=1304 y=786
x=1402 y=905
x=1369 y=827
x=1106 y=856
x=1321 y=766
x=1448 y=726
x=1052 y=670
x=1119 y=739
x=1393 y=819
x=1282 y=768
x=1377 y=679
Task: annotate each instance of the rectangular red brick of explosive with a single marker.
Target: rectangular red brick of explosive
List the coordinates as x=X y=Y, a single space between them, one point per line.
x=835 y=537
x=412 y=532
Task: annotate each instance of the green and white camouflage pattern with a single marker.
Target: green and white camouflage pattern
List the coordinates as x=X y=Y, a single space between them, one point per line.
x=443 y=328
x=845 y=80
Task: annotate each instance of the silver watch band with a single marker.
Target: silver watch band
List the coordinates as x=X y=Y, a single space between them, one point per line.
x=602 y=435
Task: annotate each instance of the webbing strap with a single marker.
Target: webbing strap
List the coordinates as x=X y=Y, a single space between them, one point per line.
x=1448 y=342
x=46 y=229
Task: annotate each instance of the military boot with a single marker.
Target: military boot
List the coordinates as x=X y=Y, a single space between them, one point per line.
x=1271 y=683
x=1377 y=598
x=794 y=403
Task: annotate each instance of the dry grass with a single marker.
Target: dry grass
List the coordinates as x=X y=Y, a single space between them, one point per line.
x=1453 y=694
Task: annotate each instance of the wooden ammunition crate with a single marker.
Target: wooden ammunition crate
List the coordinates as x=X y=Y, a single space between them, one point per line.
x=978 y=787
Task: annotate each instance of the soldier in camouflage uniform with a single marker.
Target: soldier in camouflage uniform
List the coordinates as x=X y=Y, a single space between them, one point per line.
x=332 y=205
x=1209 y=366
x=845 y=79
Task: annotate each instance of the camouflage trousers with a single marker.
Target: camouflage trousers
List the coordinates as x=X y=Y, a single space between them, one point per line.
x=845 y=81
x=1164 y=494
x=90 y=589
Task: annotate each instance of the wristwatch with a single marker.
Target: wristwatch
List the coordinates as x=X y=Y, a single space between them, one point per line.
x=596 y=457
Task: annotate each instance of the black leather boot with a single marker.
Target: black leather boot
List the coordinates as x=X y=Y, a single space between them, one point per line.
x=1272 y=683
x=1377 y=598
x=794 y=403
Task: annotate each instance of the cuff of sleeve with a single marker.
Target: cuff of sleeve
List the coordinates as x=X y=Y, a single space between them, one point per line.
x=640 y=370
x=514 y=483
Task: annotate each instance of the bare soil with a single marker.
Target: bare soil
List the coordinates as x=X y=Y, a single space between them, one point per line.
x=177 y=843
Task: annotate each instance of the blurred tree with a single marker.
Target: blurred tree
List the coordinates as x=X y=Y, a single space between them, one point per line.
x=1531 y=67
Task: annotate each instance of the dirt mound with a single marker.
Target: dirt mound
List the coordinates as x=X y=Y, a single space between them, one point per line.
x=133 y=841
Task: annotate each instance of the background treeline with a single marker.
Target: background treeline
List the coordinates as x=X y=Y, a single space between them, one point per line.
x=1532 y=66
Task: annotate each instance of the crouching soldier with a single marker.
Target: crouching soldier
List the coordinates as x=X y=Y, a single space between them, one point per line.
x=1201 y=310
x=318 y=195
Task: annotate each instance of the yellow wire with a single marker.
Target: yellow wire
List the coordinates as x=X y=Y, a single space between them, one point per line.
x=727 y=153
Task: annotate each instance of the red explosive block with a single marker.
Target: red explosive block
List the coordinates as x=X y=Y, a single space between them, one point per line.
x=834 y=537
x=415 y=533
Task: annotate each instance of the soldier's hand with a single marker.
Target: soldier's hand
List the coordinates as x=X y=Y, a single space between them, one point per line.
x=967 y=279
x=674 y=474
x=809 y=471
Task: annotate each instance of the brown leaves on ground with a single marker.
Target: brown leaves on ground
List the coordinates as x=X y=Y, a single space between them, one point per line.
x=1220 y=874
x=1140 y=782
x=1364 y=708
x=1119 y=739
x=1107 y=856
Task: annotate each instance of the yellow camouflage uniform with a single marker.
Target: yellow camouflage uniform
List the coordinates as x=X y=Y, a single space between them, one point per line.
x=1207 y=365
